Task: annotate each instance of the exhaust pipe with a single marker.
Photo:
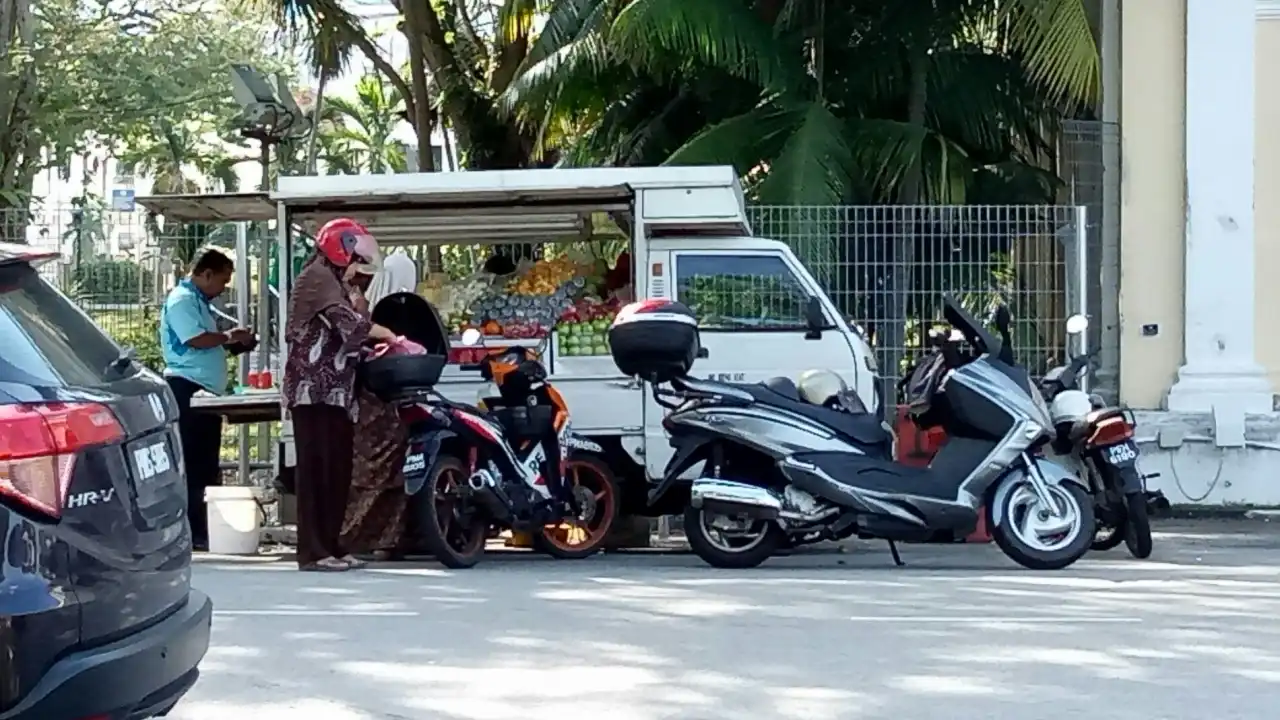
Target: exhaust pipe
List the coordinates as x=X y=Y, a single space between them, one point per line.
x=735 y=498
x=490 y=494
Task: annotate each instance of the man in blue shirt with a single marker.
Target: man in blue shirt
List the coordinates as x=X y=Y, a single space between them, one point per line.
x=195 y=358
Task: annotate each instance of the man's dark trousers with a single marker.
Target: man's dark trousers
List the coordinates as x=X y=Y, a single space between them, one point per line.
x=201 y=451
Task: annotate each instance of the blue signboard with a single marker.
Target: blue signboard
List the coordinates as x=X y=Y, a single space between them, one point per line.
x=122 y=200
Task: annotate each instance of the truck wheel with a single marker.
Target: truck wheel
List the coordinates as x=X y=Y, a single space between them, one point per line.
x=735 y=551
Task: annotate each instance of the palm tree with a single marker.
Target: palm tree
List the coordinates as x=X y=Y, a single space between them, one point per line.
x=356 y=134
x=183 y=160
x=816 y=102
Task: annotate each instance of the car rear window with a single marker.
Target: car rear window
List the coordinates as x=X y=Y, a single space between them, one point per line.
x=45 y=340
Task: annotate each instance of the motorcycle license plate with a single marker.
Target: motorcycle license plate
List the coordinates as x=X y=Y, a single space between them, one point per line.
x=1120 y=454
x=415 y=462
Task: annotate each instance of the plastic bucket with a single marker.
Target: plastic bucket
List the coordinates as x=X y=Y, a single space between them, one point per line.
x=235 y=520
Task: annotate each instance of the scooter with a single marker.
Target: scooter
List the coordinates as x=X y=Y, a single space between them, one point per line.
x=776 y=467
x=472 y=468
x=1097 y=442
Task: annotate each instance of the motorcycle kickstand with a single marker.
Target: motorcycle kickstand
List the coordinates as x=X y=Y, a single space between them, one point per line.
x=897 y=559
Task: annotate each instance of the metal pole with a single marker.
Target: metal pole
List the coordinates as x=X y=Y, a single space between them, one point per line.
x=284 y=256
x=264 y=305
x=1109 y=219
x=1082 y=283
x=313 y=142
x=242 y=319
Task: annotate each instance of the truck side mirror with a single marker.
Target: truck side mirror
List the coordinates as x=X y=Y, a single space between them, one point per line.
x=814 y=318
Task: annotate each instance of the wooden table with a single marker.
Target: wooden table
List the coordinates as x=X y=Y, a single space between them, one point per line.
x=242 y=408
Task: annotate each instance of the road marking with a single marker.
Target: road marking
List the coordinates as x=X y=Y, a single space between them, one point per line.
x=1028 y=620
x=318 y=613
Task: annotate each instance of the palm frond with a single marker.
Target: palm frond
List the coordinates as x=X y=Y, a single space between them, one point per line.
x=813 y=165
x=886 y=151
x=1059 y=48
x=660 y=35
x=743 y=141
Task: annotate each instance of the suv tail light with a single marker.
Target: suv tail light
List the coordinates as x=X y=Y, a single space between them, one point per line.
x=38 y=446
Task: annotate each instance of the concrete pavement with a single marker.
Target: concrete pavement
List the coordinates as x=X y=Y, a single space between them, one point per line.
x=959 y=633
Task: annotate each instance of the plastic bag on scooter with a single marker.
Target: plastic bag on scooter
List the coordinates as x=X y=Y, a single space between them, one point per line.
x=921 y=385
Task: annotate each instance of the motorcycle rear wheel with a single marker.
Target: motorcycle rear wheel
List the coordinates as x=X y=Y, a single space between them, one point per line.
x=762 y=545
x=591 y=479
x=1137 y=534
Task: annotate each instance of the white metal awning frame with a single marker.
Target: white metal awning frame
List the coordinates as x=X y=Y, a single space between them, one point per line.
x=496 y=217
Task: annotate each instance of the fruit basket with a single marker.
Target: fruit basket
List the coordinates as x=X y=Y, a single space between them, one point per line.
x=548 y=295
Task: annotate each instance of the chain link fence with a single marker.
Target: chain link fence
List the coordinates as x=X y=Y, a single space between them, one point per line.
x=886 y=269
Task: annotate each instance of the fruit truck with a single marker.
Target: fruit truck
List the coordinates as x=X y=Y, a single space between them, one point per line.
x=684 y=230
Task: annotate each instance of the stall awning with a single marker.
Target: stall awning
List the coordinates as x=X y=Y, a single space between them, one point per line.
x=212 y=207
x=468 y=207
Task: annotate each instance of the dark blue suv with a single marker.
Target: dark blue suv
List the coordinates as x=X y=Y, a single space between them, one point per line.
x=97 y=616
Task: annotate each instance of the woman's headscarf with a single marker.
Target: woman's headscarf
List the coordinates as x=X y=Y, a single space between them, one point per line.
x=318 y=287
x=398 y=274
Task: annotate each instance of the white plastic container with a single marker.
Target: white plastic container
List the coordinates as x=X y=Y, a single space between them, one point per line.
x=235 y=520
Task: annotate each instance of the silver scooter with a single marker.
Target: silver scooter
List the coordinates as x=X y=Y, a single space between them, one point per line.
x=777 y=468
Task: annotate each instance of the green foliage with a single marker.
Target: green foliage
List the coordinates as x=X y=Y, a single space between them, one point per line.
x=143 y=336
x=356 y=133
x=113 y=281
x=816 y=102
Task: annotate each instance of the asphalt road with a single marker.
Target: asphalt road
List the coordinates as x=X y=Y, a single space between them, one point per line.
x=959 y=633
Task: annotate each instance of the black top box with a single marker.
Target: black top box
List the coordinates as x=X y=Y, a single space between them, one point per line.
x=655 y=340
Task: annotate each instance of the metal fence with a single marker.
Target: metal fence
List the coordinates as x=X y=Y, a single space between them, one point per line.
x=886 y=268
x=1089 y=164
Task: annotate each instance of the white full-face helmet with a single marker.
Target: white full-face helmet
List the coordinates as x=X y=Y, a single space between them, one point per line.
x=826 y=388
x=818 y=387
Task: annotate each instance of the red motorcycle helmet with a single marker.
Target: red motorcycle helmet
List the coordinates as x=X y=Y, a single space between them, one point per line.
x=345 y=242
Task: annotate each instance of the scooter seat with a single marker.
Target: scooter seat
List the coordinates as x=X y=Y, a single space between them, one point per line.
x=864 y=428
x=784 y=386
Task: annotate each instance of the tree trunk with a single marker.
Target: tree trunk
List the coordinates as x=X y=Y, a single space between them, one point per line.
x=19 y=140
x=485 y=140
x=893 y=341
x=418 y=80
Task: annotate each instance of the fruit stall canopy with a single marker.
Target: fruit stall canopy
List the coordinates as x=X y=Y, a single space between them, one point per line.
x=500 y=206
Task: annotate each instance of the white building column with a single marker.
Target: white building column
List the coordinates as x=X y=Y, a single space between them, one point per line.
x=1220 y=370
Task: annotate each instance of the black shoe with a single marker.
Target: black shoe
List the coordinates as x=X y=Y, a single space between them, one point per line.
x=200 y=546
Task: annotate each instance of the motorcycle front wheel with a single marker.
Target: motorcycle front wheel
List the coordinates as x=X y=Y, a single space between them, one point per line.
x=729 y=543
x=1036 y=538
x=448 y=526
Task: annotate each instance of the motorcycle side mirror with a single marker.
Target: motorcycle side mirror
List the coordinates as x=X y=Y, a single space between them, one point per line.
x=471 y=337
x=1077 y=324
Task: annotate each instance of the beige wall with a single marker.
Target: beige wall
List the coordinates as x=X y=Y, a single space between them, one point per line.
x=1152 y=210
x=1266 y=193
x=1153 y=191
